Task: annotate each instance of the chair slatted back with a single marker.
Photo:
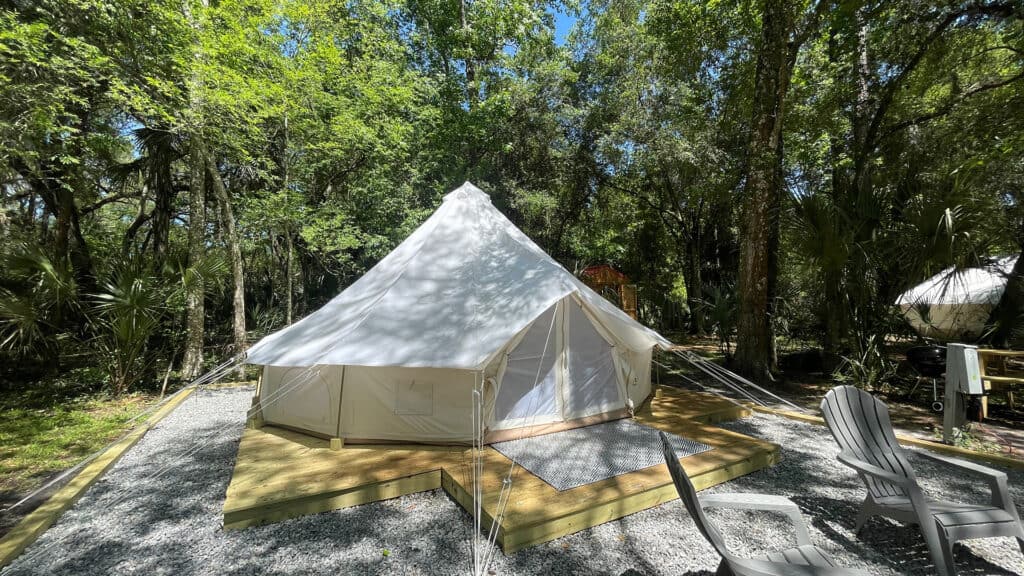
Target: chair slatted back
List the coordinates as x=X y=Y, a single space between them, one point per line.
x=688 y=494
x=860 y=424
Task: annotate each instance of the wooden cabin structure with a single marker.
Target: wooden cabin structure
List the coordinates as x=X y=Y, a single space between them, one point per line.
x=606 y=280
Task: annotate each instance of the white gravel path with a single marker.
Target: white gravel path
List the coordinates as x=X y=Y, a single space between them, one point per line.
x=133 y=523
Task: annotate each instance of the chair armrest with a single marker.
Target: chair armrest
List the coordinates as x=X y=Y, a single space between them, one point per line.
x=876 y=472
x=997 y=480
x=762 y=502
x=963 y=464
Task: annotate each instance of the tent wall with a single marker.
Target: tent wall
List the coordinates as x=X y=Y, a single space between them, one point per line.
x=416 y=404
x=636 y=369
x=948 y=321
x=582 y=373
x=302 y=398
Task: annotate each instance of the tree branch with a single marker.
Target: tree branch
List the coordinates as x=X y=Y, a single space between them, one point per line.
x=808 y=26
x=677 y=229
x=949 y=106
x=107 y=200
x=1005 y=10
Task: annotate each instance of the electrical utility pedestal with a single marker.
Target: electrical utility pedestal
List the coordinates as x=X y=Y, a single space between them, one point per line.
x=963 y=380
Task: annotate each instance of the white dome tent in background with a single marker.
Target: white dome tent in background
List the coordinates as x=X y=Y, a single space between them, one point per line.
x=467 y=297
x=954 y=305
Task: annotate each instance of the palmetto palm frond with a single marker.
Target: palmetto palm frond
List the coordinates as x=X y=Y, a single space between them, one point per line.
x=41 y=291
x=126 y=313
x=20 y=324
x=823 y=237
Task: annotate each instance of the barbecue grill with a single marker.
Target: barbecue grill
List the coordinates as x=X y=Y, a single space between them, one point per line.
x=929 y=362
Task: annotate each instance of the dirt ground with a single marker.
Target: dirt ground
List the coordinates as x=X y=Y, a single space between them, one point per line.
x=1002 y=432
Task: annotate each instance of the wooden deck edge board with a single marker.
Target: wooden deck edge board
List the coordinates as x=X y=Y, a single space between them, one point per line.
x=237 y=502
x=39 y=520
x=716 y=417
x=608 y=491
x=316 y=482
x=244 y=517
x=996 y=459
x=549 y=529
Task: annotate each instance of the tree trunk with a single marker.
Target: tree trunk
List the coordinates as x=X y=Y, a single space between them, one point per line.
x=470 y=65
x=863 y=297
x=762 y=193
x=195 y=311
x=68 y=240
x=861 y=112
x=1006 y=322
x=163 y=208
x=195 y=289
x=237 y=271
x=834 y=311
x=290 y=274
x=694 y=288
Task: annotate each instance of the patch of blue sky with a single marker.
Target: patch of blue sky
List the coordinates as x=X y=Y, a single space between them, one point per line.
x=564 y=22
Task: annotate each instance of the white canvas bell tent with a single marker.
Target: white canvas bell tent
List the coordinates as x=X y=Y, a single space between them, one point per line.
x=955 y=304
x=467 y=300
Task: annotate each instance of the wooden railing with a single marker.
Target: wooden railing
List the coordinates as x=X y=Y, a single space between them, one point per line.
x=997 y=376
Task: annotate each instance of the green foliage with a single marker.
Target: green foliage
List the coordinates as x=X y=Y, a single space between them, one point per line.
x=126 y=314
x=719 y=304
x=335 y=128
x=41 y=434
x=869 y=368
x=38 y=296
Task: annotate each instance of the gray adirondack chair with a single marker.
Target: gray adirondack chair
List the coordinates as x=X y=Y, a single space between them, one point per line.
x=860 y=424
x=803 y=560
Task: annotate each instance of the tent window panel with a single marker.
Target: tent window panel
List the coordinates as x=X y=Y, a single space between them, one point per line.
x=529 y=383
x=519 y=398
x=593 y=383
x=414 y=398
x=375 y=395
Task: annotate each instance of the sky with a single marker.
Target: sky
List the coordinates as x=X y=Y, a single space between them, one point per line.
x=563 y=24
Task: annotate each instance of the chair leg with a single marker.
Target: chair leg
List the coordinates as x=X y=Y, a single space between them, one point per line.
x=947 y=553
x=939 y=547
x=863 y=516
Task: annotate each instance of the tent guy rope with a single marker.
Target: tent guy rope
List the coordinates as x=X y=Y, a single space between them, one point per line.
x=196 y=445
x=730 y=380
x=215 y=374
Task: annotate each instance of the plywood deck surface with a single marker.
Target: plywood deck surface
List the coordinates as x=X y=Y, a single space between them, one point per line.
x=281 y=474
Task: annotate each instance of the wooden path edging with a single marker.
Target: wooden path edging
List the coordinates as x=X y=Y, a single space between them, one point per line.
x=996 y=459
x=39 y=520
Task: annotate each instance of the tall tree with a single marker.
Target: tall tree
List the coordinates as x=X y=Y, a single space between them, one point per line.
x=762 y=190
x=227 y=218
x=195 y=306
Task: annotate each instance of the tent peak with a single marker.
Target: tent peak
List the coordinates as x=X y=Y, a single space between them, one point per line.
x=468 y=191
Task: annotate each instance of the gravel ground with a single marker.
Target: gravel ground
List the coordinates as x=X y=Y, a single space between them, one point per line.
x=158 y=511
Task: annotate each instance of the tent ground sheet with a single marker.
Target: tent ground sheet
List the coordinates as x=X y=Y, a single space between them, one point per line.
x=576 y=457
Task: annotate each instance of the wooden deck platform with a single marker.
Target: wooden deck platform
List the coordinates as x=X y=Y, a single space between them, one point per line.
x=281 y=474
